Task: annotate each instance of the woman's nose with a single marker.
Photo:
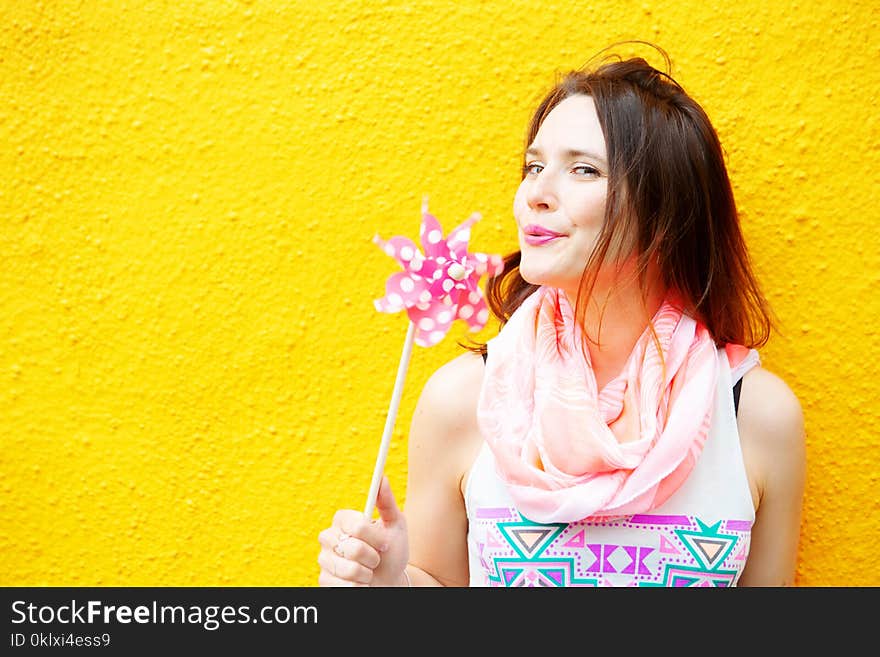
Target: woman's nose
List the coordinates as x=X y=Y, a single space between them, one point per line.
x=541 y=193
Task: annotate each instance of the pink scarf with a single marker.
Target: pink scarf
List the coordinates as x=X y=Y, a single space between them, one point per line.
x=568 y=451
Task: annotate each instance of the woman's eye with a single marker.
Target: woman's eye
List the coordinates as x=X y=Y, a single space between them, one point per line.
x=585 y=170
x=532 y=169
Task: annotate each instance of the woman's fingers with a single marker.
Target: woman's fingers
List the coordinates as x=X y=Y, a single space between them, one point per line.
x=354 y=549
x=339 y=571
x=351 y=549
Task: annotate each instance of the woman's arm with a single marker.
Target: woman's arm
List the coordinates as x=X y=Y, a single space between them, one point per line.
x=771 y=427
x=443 y=442
x=429 y=540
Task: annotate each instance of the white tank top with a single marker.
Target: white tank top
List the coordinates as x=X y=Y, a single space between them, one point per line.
x=698 y=537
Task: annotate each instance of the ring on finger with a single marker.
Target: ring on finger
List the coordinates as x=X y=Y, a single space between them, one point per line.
x=338 y=549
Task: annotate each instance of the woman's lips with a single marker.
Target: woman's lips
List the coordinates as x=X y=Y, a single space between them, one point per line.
x=535 y=235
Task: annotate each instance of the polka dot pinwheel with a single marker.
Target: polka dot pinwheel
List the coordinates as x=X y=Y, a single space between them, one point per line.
x=441 y=285
x=435 y=288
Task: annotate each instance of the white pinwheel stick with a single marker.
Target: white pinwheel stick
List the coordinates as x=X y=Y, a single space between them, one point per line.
x=389 y=421
x=402 y=366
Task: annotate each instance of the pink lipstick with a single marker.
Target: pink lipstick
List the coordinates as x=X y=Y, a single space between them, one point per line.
x=535 y=235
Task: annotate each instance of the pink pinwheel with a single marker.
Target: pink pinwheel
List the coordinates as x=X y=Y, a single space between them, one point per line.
x=435 y=288
x=441 y=285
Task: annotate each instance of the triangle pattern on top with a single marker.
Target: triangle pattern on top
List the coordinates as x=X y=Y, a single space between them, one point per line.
x=667 y=547
x=708 y=546
x=530 y=539
x=711 y=549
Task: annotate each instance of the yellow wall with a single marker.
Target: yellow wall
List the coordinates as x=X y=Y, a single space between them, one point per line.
x=192 y=374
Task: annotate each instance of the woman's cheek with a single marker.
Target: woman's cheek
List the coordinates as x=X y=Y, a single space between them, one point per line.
x=519 y=204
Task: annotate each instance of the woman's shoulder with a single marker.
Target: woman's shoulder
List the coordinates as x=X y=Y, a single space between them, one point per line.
x=444 y=436
x=451 y=392
x=770 y=407
x=771 y=427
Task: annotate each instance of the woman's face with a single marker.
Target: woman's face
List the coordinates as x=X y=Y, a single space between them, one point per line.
x=560 y=204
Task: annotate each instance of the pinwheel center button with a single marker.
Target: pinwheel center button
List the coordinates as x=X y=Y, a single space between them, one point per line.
x=456 y=271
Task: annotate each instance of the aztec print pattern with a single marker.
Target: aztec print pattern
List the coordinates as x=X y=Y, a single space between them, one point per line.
x=681 y=551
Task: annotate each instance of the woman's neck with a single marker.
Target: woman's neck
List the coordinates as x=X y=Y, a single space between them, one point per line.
x=615 y=318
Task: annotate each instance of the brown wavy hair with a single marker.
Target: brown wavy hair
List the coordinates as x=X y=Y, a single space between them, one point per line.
x=667 y=186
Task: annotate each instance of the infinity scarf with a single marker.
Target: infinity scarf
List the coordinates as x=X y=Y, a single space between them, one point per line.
x=568 y=451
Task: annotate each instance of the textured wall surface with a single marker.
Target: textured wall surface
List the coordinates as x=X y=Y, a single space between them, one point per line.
x=192 y=374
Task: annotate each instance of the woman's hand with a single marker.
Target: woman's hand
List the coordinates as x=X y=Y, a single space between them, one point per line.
x=360 y=552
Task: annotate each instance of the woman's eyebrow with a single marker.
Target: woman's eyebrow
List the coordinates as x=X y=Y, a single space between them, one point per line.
x=571 y=153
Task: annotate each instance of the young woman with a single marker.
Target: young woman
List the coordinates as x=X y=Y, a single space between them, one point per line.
x=619 y=430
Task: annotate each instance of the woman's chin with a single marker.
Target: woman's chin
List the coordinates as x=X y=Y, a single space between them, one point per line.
x=538 y=276
x=530 y=276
